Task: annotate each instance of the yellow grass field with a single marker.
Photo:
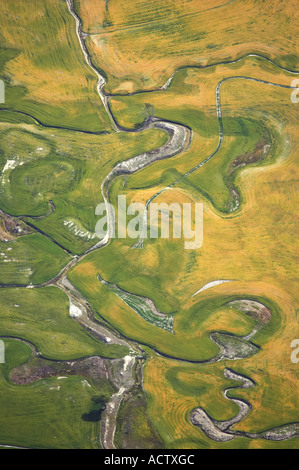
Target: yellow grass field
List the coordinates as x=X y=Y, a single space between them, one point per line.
x=153 y=40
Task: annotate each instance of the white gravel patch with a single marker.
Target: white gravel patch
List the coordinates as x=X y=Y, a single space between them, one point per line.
x=75 y=311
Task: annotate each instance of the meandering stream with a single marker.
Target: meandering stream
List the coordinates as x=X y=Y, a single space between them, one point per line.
x=220 y=431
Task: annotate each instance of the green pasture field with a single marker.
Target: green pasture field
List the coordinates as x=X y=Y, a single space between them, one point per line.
x=31 y=412
x=31 y=259
x=67 y=169
x=190 y=340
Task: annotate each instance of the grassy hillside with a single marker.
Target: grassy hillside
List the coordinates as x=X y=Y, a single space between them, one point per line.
x=44 y=69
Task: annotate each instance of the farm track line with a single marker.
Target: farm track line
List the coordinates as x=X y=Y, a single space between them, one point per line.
x=141 y=25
